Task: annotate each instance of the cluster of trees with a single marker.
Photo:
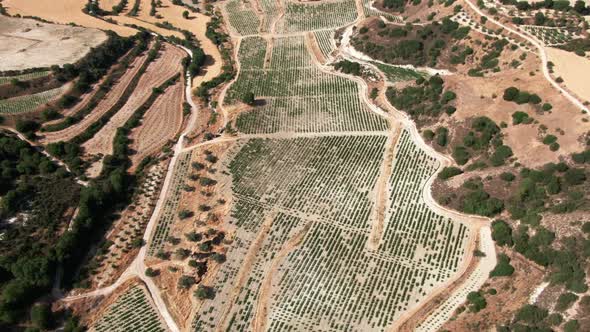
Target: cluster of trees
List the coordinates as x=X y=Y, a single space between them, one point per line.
x=491 y=60
x=29 y=183
x=218 y=37
x=411 y=44
x=560 y=5
x=521 y=97
x=348 y=67
x=485 y=135
x=425 y=101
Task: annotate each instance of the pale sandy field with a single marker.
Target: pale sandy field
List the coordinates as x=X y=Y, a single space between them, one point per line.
x=197 y=24
x=64 y=12
x=26 y=43
x=108 y=4
x=574 y=70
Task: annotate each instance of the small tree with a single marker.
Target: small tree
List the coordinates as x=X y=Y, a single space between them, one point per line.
x=205 y=292
x=185 y=282
x=151 y=272
x=185 y=14
x=41 y=316
x=248 y=98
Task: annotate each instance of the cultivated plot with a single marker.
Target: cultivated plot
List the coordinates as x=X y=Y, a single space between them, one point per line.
x=29 y=103
x=302 y=218
x=297 y=95
x=133 y=310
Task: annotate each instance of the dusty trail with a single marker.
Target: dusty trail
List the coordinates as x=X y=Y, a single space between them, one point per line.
x=261 y=313
x=246 y=268
x=541 y=51
x=382 y=191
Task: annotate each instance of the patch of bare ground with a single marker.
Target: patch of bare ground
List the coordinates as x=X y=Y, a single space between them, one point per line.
x=27 y=43
x=124 y=238
x=63 y=12
x=109 y=100
x=195 y=23
x=163 y=68
x=161 y=123
x=572 y=69
x=482 y=96
x=511 y=294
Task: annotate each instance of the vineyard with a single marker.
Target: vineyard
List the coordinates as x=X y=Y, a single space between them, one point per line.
x=298 y=96
x=29 y=103
x=24 y=77
x=132 y=311
x=321 y=190
x=325 y=40
x=317 y=16
x=242 y=17
x=169 y=212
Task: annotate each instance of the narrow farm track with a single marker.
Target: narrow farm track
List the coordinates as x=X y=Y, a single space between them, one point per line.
x=109 y=100
x=541 y=52
x=163 y=68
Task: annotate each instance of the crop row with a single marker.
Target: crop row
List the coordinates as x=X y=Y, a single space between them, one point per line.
x=549 y=36
x=168 y=211
x=297 y=95
x=28 y=103
x=24 y=77
x=131 y=312
x=317 y=16
x=242 y=17
x=325 y=40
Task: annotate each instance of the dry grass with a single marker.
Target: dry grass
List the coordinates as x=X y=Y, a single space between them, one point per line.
x=573 y=69
x=26 y=43
x=63 y=12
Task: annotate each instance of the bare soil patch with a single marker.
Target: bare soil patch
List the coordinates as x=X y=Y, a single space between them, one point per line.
x=512 y=293
x=63 y=12
x=27 y=43
x=573 y=69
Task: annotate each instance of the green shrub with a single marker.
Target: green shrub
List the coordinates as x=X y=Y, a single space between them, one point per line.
x=571 y=326
x=520 y=117
x=503 y=267
x=549 y=139
x=476 y=301
x=502 y=233
x=565 y=301
x=449 y=172
x=461 y=155
x=507 y=176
